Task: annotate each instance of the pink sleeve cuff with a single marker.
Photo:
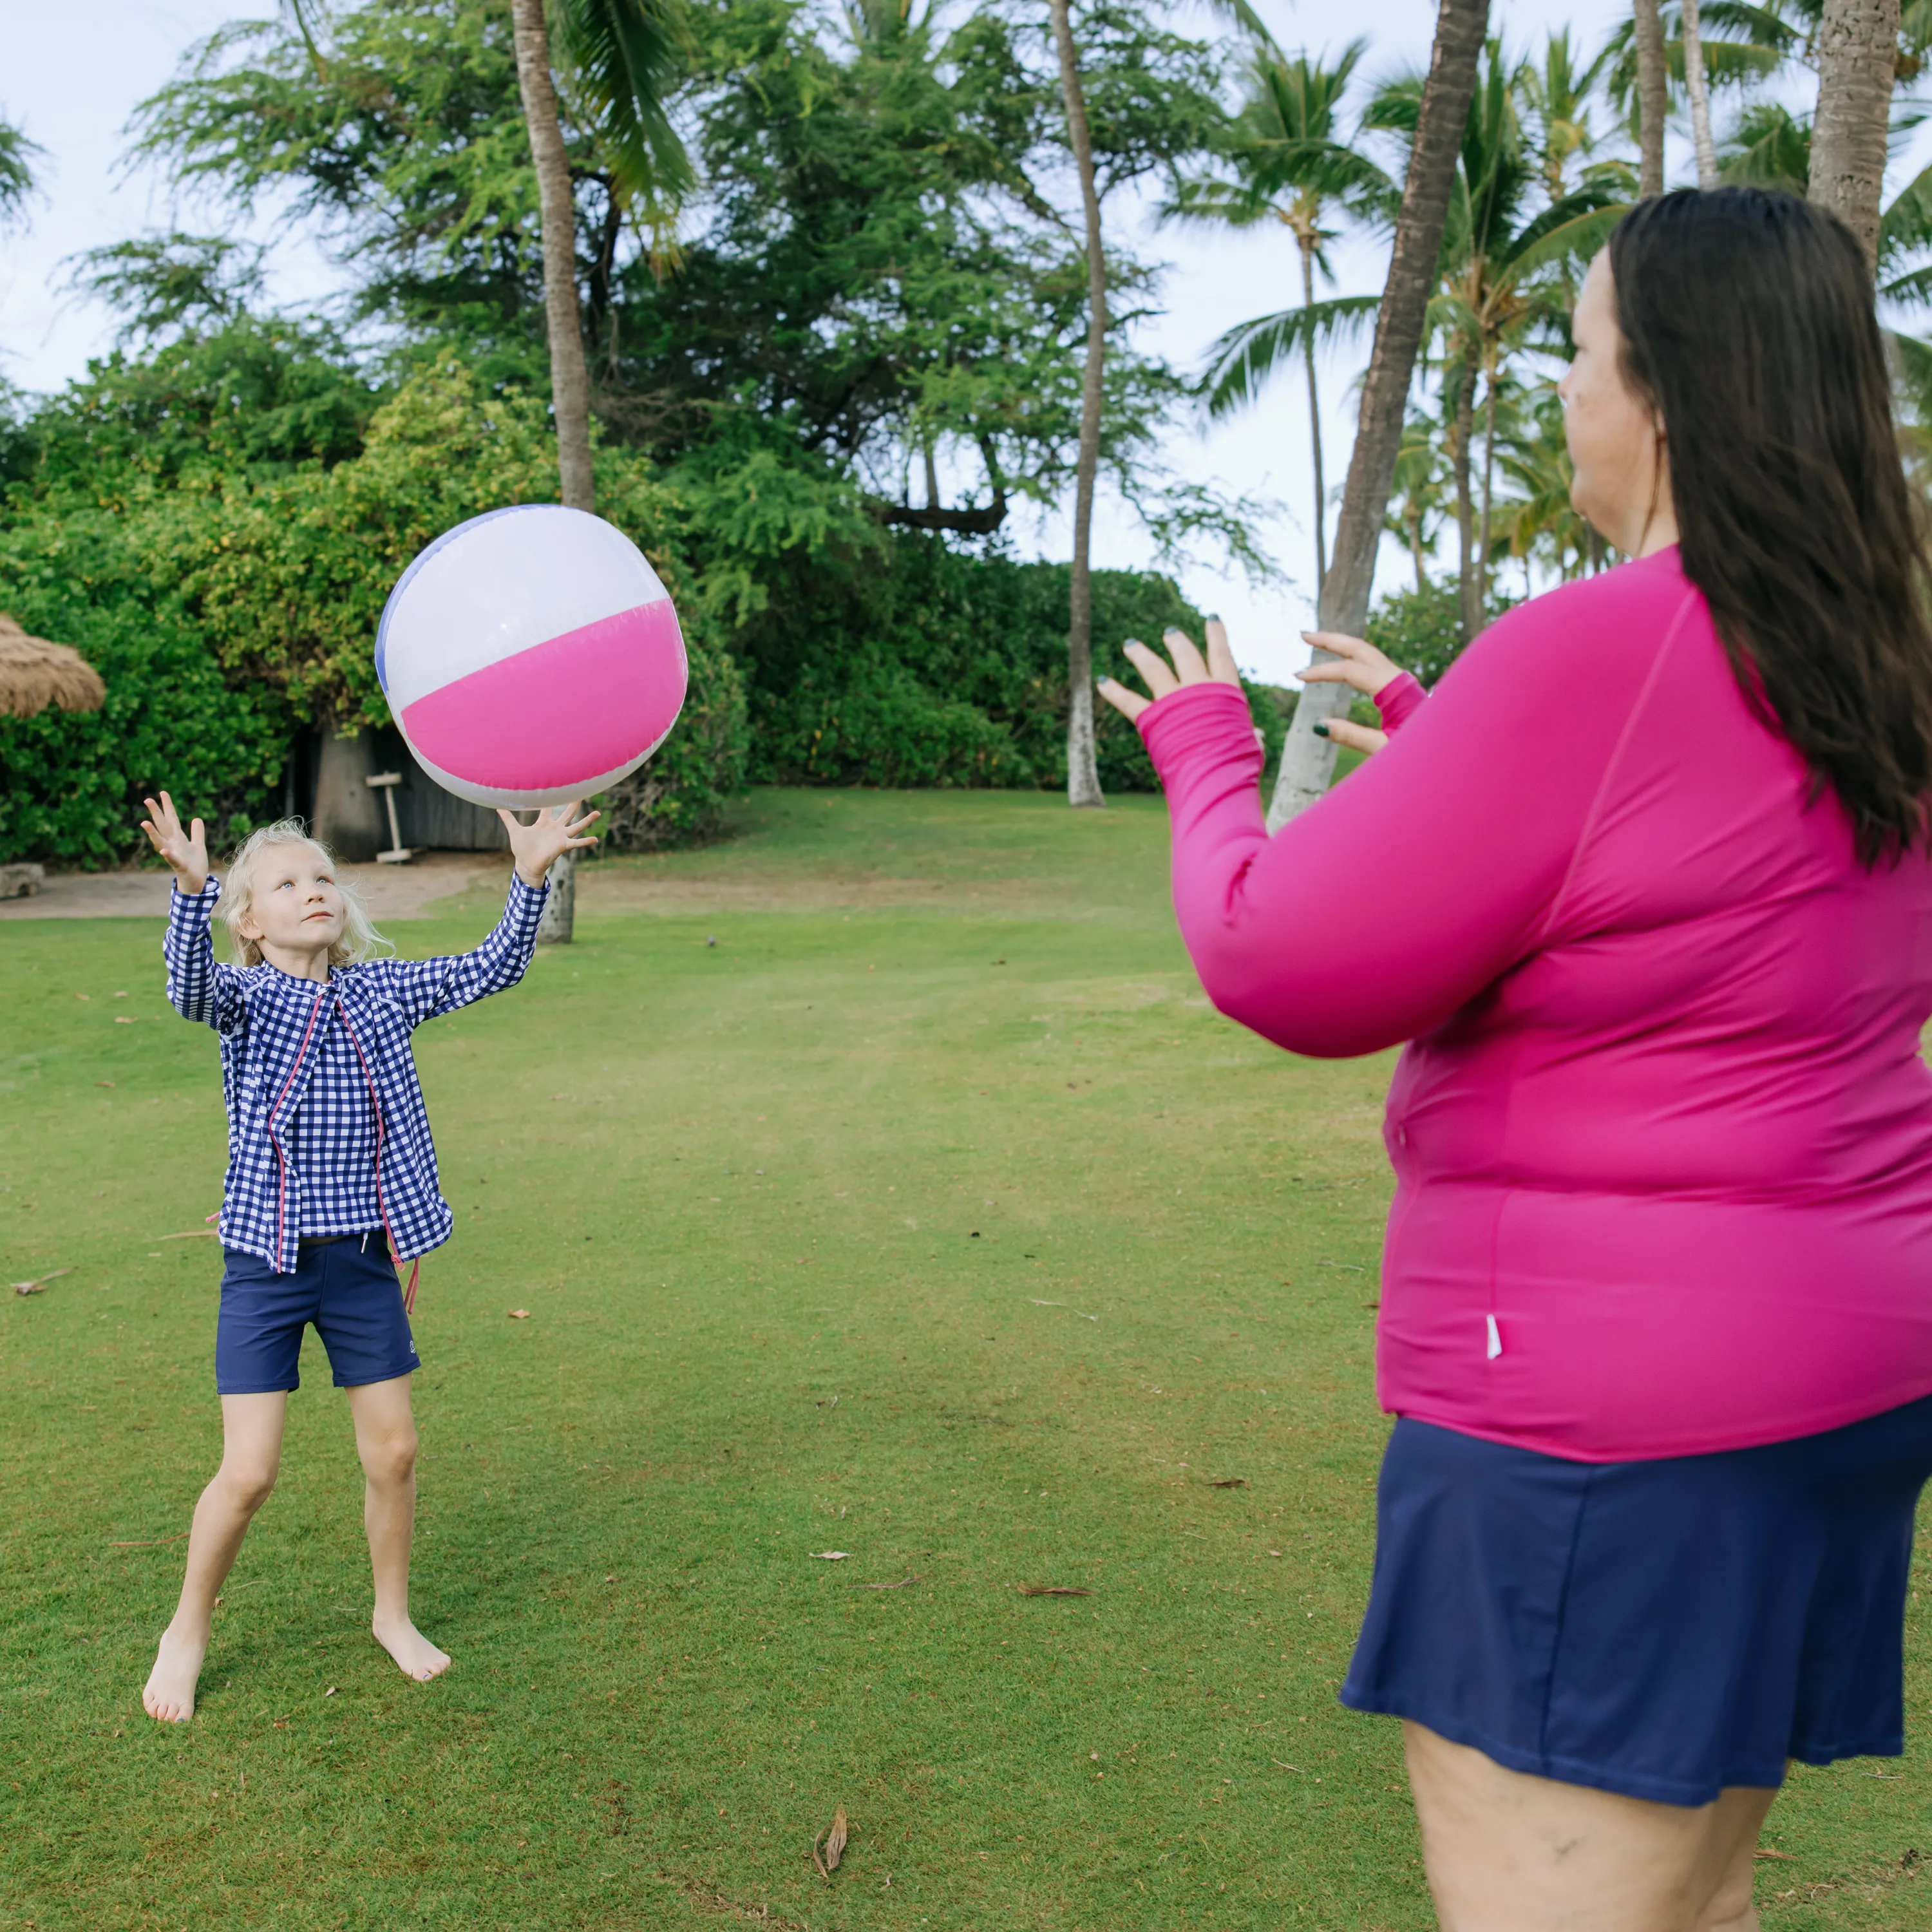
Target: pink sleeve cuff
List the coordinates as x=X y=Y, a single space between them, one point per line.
x=1199 y=728
x=1397 y=700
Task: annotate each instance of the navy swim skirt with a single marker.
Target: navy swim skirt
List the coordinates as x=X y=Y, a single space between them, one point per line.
x=1662 y=1629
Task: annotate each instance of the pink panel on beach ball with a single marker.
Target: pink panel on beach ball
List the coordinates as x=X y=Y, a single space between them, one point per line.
x=562 y=712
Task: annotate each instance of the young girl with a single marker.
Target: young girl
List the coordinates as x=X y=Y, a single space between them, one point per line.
x=331 y=1180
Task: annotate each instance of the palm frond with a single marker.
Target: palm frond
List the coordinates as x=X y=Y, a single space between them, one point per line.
x=17 y=172
x=1241 y=361
x=629 y=55
x=1906 y=226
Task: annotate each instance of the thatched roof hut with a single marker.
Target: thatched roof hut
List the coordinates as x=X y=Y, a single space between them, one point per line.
x=34 y=674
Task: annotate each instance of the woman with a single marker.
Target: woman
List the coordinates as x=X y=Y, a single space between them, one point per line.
x=1645 y=885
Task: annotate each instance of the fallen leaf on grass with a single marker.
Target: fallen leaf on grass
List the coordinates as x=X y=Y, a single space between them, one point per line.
x=1789 y=1858
x=1295 y=1768
x=520 y=1315
x=104 y=1083
x=124 y=1019
x=899 y=1585
x=828 y=1847
x=34 y=1287
x=1080 y=1312
x=1226 y=1482
x=1052 y=1590
x=330 y=1692
x=831 y=1555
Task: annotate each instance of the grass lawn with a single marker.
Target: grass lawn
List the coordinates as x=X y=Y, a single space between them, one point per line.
x=929 y=1215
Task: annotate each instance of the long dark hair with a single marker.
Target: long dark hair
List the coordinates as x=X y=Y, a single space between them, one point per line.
x=1747 y=323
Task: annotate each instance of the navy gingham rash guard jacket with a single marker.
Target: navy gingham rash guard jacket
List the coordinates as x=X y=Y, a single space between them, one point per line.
x=269 y=1022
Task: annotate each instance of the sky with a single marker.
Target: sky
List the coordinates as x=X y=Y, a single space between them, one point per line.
x=78 y=111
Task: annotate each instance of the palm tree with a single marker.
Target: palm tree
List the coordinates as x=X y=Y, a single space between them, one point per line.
x=1700 y=97
x=1290 y=166
x=1420 y=490
x=623 y=54
x=1645 y=71
x=1540 y=519
x=1083 y=774
x=1308 y=762
x=1502 y=282
x=1557 y=95
x=1858 y=54
x=1653 y=93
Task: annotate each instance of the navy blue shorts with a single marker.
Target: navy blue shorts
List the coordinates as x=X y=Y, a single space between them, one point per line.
x=347 y=1288
x=1663 y=1629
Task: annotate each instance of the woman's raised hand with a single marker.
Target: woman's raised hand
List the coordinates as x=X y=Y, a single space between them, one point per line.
x=1189 y=667
x=539 y=846
x=186 y=852
x=1355 y=662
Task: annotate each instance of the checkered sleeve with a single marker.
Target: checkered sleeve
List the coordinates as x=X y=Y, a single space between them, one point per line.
x=198 y=987
x=425 y=988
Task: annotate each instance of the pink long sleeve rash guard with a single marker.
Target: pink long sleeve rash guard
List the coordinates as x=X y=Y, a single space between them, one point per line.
x=1661 y=1129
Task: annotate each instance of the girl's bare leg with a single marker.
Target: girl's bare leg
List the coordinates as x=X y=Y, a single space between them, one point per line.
x=251 y=1454
x=1508 y=1852
x=385 y=1439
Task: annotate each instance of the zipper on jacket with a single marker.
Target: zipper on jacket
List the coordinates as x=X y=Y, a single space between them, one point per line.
x=281 y=1158
x=376 y=1104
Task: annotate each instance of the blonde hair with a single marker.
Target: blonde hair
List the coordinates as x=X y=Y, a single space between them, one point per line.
x=359 y=937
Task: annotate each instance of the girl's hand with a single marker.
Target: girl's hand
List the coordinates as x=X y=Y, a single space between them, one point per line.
x=1357 y=663
x=186 y=852
x=1189 y=667
x=539 y=846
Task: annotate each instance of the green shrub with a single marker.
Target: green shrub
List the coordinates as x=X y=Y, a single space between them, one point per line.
x=946 y=667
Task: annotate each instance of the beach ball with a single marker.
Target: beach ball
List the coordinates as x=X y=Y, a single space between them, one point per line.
x=531 y=657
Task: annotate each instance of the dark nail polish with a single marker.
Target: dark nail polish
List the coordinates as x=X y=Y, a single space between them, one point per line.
x=1213 y=616
x=1320 y=730
x=1131 y=644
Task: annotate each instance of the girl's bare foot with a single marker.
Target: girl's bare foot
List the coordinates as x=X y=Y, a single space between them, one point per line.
x=169 y=1696
x=415 y=1656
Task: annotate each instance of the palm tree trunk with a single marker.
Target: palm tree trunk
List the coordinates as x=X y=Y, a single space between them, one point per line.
x=1653 y=97
x=1412 y=518
x=1307 y=242
x=1083 y=775
x=1700 y=99
x=570 y=388
x=1489 y=490
x=1307 y=762
x=1858 y=47
x=1465 y=500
